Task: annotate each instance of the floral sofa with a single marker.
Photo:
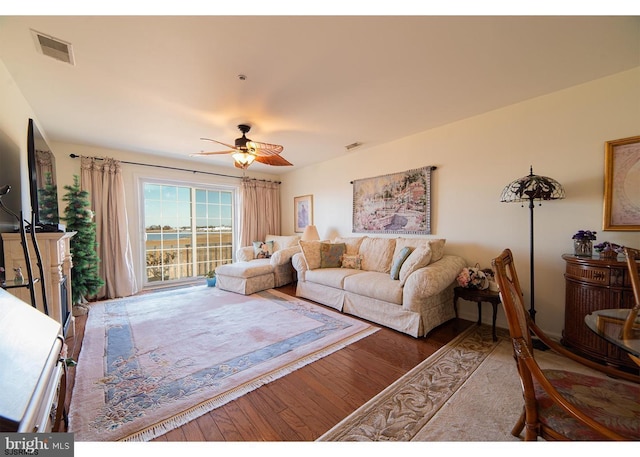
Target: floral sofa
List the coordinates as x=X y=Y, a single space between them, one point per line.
x=262 y=266
x=402 y=283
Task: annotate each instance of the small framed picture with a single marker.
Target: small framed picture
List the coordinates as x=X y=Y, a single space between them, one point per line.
x=622 y=185
x=303 y=212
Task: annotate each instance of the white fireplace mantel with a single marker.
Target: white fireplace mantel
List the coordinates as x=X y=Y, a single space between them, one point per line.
x=55 y=252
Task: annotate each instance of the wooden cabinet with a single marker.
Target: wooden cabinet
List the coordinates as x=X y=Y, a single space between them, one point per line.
x=55 y=250
x=30 y=353
x=594 y=283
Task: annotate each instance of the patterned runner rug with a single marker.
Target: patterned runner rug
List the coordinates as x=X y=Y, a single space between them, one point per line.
x=467 y=391
x=154 y=362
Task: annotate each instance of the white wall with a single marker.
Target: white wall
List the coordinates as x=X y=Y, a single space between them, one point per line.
x=15 y=112
x=561 y=135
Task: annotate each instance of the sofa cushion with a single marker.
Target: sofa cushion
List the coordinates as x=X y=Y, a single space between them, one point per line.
x=437 y=249
x=377 y=254
x=352 y=243
x=412 y=243
x=311 y=253
x=420 y=257
x=331 y=254
x=376 y=285
x=332 y=277
x=352 y=261
x=282 y=241
x=263 y=249
x=398 y=260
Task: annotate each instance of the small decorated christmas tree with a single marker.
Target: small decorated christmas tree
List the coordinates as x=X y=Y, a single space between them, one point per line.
x=48 y=202
x=85 y=279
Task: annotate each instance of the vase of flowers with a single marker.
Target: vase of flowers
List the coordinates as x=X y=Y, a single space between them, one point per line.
x=583 y=243
x=211 y=278
x=473 y=278
x=608 y=250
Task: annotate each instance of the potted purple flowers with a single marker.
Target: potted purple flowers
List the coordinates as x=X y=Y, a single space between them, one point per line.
x=583 y=243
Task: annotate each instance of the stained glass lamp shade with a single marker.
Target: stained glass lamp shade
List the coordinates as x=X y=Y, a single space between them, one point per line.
x=528 y=189
x=532 y=187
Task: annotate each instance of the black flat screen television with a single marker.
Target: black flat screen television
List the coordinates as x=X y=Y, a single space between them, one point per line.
x=42 y=182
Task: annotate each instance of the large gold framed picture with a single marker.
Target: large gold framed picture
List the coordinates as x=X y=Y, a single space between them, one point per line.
x=303 y=212
x=622 y=184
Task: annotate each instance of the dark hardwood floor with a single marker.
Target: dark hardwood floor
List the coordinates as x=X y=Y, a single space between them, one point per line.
x=308 y=402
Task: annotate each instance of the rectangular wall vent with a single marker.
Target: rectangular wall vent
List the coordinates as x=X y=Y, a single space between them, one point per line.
x=53 y=47
x=351 y=146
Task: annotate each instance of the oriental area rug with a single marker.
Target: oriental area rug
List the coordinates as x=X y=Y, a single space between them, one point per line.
x=151 y=363
x=469 y=390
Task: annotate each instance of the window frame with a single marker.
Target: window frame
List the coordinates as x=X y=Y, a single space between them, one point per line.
x=208 y=186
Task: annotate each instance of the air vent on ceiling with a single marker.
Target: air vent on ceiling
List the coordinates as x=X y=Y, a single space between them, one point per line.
x=351 y=146
x=53 y=47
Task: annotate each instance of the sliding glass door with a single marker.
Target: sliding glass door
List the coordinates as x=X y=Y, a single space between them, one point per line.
x=188 y=230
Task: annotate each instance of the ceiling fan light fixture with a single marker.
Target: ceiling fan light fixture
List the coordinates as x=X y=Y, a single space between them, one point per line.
x=243 y=158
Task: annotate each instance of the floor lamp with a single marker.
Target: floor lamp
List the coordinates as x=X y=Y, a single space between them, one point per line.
x=528 y=189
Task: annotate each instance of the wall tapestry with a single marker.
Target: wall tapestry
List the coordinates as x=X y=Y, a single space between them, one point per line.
x=394 y=203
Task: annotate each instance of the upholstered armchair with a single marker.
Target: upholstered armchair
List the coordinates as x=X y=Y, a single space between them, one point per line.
x=264 y=265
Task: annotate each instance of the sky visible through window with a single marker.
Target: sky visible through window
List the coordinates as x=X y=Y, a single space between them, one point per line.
x=188 y=230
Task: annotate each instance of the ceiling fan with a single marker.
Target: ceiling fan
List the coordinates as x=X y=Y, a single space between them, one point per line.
x=246 y=151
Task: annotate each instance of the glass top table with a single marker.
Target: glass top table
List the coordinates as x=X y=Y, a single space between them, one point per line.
x=608 y=323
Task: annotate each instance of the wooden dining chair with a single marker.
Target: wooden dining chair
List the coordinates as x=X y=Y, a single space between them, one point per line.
x=632 y=255
x=561 y=404
x=630 y=329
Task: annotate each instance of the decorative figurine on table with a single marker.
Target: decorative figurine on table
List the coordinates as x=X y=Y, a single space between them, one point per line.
x=19 y=279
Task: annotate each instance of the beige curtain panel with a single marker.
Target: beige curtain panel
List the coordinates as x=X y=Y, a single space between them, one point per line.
x=102 y=178
x=260 y=214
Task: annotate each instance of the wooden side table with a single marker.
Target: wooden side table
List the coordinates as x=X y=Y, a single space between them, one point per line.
x=478 y=296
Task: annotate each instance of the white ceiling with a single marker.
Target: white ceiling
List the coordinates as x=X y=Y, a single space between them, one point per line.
x=314 y=84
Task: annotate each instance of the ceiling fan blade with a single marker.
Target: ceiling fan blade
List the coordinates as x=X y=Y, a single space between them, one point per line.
x=275 y=160
x=266 y=153
x=265 y=149
x=212 y=153
x=220 y=142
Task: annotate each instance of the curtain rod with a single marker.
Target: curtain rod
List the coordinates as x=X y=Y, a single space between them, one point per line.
x=432 y=167
x=74 y=156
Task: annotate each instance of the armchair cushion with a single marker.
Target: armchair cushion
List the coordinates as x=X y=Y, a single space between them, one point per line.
x=612 y=403
x=282 y=241
x=244 y=254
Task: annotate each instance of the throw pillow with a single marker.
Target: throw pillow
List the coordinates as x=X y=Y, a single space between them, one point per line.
x=331 y=254
x=311 y=253
x=353 y=261
x=420 y=257
x=398 y=261
x=262 y=249
x=437 y=249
